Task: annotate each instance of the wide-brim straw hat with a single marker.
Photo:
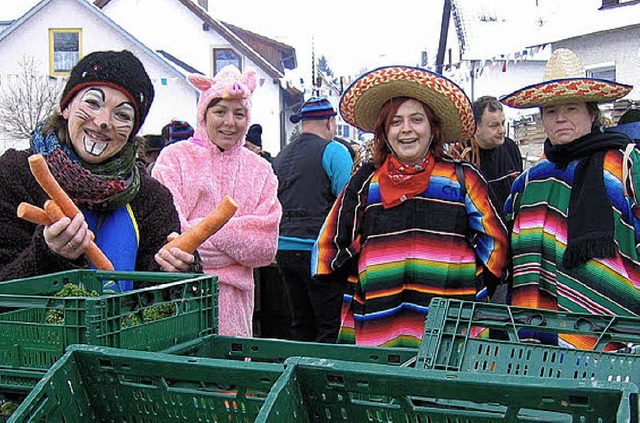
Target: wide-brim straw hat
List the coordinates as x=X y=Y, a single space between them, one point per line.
x=362 y=101
x=564 y=82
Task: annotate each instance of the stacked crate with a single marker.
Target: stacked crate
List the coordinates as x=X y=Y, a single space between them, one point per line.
x=452 y=377
x=31 y=342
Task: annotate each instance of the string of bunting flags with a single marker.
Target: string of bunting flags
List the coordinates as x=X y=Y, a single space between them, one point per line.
x=462 y=71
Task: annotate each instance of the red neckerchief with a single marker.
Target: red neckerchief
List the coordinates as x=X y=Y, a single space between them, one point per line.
x=399 y=182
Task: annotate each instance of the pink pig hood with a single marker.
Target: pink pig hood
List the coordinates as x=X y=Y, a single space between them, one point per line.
x=229 y=83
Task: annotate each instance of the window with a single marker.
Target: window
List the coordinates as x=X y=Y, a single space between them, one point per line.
x=64 y=50
x=607 y=71
x=607 y=4
x=223 y=57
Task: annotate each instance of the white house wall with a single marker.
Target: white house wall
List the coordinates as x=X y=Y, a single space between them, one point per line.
x=168 y=25
x=32 y=39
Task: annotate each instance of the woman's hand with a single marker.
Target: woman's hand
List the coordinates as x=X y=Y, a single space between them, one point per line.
x=68 y=238
x=174 y=259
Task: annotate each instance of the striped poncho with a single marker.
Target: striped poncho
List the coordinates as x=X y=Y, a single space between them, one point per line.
x=399 y=258
x=538 y=208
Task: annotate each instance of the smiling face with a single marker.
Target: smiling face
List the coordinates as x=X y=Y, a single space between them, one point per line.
x=226 y=122
x=99 y=121
x=409 y=133
x=565 y=123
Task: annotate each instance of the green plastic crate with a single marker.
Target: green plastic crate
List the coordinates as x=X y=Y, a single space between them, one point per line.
x=16 y=380
x=313 y=390
x=28 y=343
x=448 y=345
x=278 y=350
x=107 y=384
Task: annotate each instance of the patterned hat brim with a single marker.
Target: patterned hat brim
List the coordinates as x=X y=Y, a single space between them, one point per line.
x=568 y=90
x=363 y=99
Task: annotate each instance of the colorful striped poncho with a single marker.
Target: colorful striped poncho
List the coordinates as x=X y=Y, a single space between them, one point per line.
x=538 y=208
x=399 y=258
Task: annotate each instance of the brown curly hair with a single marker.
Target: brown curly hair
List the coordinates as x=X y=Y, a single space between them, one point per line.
x=380 y=150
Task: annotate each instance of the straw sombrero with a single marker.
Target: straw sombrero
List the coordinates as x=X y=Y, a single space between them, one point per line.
x=565 y=81
x=365 y=97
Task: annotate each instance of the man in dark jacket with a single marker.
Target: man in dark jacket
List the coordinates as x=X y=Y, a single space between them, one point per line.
x=500 y=162
x=311 y=171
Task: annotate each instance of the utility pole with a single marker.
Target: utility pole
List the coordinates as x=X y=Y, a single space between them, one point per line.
x=444 y=31
x=314 y=91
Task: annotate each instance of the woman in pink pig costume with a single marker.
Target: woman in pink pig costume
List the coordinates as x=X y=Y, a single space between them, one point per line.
x=213 y=163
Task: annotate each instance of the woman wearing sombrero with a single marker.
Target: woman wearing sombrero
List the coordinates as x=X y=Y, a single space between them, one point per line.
x=412 y=224
x=575 y=213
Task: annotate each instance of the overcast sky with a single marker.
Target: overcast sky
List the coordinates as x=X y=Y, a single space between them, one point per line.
x=358 y=34
x=351 y=34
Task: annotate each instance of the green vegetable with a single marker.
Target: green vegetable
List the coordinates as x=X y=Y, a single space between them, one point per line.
x=8 y=407
x=56 y=316
x=150 y=314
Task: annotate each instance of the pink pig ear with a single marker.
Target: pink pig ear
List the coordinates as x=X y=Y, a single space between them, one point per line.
x=201 y=82
x=250 y=79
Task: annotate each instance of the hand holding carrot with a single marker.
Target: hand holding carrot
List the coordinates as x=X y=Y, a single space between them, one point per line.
x=68 y=230
x=191 y=239
x=174 y=259
x=67 y=237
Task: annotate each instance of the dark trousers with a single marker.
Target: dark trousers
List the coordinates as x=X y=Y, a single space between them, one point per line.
x=315 y=306
x=271 y=315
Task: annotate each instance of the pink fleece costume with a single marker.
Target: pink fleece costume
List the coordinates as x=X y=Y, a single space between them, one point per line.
x=199 y=175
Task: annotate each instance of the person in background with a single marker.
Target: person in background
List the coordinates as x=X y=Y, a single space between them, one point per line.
x=253 y=141
x=347 y=145
x=150 y=150
x=311 y=170
x=176 y=130
x=412 y=224
x=629 y=123
x=499 y=158
x=213 y=163
x=141 y=163
x=575 y=213
x=90 y=149
x=500 y=162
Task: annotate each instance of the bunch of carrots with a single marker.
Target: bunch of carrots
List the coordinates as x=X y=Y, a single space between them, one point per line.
x=60 y=205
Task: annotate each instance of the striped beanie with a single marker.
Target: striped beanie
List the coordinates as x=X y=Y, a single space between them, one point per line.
x=314 y=108
x=179 y=130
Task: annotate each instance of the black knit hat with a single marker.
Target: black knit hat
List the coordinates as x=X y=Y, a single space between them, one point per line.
x=254 y=135
x=116 y=69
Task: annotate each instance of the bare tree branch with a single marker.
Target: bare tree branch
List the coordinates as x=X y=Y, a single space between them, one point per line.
x=26 y=99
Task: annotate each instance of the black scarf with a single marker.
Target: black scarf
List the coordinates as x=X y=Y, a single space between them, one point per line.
x=590 y=221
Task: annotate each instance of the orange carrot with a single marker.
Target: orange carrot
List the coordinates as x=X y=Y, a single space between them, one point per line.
x=95 y=254
x=53 y=210
x=36 y=215
x=33 y=214
x=191 y=239
x=41 y=172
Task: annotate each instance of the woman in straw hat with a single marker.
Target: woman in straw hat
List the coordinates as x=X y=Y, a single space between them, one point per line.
x=575 y=213
x=412 y=224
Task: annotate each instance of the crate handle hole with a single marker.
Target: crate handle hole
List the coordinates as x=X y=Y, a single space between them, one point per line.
x=105 y=363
